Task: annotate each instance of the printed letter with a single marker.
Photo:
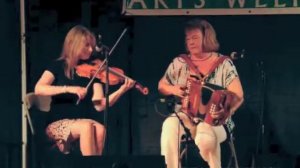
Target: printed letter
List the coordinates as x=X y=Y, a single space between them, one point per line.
x=277 y=5
x=232 y=2
x=137 y=1
x=201 y=5
x=161 y=2
x=258 y=5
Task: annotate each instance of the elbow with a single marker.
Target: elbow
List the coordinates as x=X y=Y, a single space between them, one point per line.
x=41 y=90
x=160 y=88
x=164 y=90
x=99 y=105
x=241 y=99
x=37 y=90
x=164 y=87
x=98 y=108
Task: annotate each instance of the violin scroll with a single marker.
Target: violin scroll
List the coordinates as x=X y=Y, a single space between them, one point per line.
x=141 y=88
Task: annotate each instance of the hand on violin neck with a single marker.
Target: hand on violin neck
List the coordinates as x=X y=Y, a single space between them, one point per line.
x=128 y=84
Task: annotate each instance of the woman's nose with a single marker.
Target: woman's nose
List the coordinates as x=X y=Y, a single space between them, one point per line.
x=190 y=43
x=90 y=49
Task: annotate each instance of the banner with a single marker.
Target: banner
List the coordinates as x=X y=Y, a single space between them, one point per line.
x=210 y=7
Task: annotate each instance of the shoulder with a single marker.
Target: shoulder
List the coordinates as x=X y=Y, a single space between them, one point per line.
x=228 y=66
x=179 y=60
x=226 y=60
x=177 y=64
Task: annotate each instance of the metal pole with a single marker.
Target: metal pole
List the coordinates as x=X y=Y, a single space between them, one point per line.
x=23 y=84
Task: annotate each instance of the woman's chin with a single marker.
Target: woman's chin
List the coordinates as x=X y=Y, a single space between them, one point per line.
x=84 y=58
x=195 y=52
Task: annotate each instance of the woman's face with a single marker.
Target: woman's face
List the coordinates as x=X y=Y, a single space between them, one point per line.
x=194 y=40
x=86 y=50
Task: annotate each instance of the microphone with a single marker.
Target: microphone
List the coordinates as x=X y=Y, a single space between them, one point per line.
x=236 y=55
x=98 y=47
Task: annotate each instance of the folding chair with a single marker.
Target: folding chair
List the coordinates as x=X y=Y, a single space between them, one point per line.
x=190 y=157
x=36 y=114
x=233 y=152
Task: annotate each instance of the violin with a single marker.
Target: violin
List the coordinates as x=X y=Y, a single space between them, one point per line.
x=115 y=75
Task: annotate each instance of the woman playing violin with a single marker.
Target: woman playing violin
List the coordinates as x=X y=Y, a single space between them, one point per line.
x=69 y=122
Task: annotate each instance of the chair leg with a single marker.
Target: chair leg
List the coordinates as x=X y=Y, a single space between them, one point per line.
x=190 y=156
x=233 y=153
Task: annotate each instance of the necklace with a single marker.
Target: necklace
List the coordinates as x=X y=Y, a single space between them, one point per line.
x=203 y=59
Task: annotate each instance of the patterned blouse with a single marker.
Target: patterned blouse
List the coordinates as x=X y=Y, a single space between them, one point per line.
x=178 y=72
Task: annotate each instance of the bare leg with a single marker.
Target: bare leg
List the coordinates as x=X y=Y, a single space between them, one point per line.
x=85 y=131
x=100 y=135
x=208 y=140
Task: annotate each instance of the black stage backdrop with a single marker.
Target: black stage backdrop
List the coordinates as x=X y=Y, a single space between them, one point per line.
x=268 y=71
x=10 y=120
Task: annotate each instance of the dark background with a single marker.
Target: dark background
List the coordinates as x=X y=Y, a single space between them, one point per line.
x=269 y=73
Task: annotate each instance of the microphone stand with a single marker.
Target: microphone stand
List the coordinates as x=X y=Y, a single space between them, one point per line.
x=262 y=109
x=261 y=130
x=107 y=53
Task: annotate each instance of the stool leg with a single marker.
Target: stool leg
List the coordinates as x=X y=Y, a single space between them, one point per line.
x=233 y=153
x=229 y=162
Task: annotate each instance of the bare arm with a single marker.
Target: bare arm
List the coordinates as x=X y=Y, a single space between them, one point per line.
x=99 y=99
x=165 y=88
x=44 y=87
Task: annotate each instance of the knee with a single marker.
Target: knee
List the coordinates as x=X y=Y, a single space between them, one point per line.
x=87 y=127
x=170 y=126
x=206 y=143
x=170 y=133
x=100 y=131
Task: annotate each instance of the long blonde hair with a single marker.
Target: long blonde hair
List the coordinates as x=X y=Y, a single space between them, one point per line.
x=74 y=42
x=210 y=42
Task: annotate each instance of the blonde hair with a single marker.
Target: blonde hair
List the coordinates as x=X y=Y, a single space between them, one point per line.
x=210 y=42
x=74 y=42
